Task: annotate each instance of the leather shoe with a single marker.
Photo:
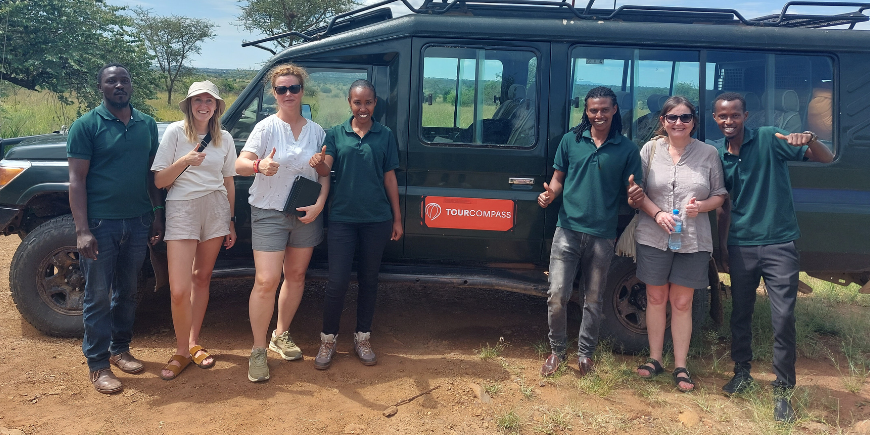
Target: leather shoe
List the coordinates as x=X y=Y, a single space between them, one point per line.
x=105 y=381
x=551 y=365
x=585 y=365
x=127 y=363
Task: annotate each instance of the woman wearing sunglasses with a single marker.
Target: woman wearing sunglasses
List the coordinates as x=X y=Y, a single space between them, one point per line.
x=199 y=207
x=684 y=174
x=276 y=152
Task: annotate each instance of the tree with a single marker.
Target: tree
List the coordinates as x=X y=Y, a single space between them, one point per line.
x=272 y=17
x=59 y=45
x=172 y=40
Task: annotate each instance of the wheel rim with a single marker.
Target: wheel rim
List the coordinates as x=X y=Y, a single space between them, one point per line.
x=629 y=303
x=60 y=282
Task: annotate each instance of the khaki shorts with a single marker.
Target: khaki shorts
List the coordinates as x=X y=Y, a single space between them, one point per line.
x=200 y=219
x=273 y=231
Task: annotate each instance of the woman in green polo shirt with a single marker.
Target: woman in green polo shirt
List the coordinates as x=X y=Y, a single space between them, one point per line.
x=363 y=211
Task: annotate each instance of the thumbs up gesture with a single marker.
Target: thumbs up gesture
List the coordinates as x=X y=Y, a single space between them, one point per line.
x=546 y=197
x=318 y=158
x=693 y=208
x=194 y=158
x=797 y=139
x=269 y=167
x=635 y=192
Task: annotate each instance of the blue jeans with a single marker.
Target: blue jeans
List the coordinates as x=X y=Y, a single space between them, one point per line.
x=342 y=238
x=779 y=266
x=571 y=252
x=110 y=286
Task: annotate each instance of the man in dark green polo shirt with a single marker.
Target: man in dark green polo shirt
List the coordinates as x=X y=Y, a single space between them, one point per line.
x=757 y=237
x=112 y=196
x=593 y=165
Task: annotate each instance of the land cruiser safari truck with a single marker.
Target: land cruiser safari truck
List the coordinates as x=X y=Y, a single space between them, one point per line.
x=479 y=94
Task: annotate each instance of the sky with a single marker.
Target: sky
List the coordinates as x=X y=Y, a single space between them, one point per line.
x=225 y=50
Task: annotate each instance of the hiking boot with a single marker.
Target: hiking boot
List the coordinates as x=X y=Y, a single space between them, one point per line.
x=740 y=383
x=258 y=365
x=363 y=348
x=284 y=345
x=782 y=410
x=327 y=350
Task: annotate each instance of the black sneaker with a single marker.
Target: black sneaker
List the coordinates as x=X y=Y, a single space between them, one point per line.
x=739 y=384
x=782 y=410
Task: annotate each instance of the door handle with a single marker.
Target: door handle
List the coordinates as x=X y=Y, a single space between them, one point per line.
x=521 y=181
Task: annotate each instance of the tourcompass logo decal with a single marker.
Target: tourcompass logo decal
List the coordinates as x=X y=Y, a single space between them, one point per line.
x=433 y=210
x=468 y=213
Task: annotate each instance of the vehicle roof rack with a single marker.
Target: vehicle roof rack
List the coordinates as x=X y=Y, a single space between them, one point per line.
x=783 y=19
x=371 y=14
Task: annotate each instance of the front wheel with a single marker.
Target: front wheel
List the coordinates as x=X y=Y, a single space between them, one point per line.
x=625 y=308
x=47 y=286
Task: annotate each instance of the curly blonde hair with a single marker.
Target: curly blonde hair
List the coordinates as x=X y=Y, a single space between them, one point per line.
x=287 y=69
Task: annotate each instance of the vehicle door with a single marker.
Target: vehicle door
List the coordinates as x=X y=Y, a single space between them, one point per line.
x=476 y=151
x=324 y=102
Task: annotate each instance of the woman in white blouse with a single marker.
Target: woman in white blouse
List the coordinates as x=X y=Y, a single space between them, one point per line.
x=276 y=152
x=199 y=210
x=684 y=174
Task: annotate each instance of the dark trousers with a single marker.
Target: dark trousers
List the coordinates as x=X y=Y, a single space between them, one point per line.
x=110 y=286
x=778 y=265
x=342 y=240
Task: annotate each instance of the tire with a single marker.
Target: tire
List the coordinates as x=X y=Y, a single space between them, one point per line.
x=47 y=286
x=624 y=322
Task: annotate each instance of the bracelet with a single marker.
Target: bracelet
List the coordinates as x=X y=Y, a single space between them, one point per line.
x=158 y=207
x=813 y=136
x=657 y=214
x=257 y=166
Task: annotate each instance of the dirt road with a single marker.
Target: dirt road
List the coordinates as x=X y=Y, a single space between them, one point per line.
x=447 y=339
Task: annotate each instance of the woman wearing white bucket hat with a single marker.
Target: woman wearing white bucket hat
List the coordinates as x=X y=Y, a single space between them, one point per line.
x=199 y=214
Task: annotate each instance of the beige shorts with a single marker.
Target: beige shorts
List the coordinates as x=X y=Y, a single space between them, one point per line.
x=200 y=219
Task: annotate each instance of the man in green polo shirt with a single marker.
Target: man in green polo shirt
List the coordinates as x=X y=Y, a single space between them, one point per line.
x=112 y=196
x=593 y=165
x=757 y=230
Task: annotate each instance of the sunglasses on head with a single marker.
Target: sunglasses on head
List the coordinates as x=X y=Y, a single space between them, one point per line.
x=281 y=90
x=685 y=118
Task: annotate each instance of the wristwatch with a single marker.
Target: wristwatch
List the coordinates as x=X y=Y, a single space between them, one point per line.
x=233 y=219
x=813 y=136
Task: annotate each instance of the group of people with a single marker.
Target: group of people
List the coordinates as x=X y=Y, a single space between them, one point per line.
x=117 y=169
x=744 y=177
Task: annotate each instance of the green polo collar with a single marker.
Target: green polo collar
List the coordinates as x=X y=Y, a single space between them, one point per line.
x=348 y=128
x=615 y=139
x=748 y=136
x=103 y=111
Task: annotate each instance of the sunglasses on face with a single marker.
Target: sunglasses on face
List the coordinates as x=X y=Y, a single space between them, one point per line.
x=281 y=90
x=685 y=118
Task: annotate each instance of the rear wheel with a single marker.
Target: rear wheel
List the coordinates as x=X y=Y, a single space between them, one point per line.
x=625 y=308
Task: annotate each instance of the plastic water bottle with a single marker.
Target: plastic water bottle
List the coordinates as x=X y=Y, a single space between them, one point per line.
x=675 y=240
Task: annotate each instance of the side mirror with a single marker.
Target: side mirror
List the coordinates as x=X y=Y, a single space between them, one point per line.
x=428 y=99
x=575 y=102
x=306 y=111
x=496 y=99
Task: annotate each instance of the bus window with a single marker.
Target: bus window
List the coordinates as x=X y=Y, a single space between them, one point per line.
x=790 y=92
x=641 y=79
x=479 y=96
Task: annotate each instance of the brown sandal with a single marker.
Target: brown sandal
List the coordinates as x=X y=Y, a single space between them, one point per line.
x=176 y=370
x=202 y=357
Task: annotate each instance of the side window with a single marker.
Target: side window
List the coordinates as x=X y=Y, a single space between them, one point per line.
x=641 y=79
x=790 y=92
x=477 y=96
x=324 y=101
x=326 y=95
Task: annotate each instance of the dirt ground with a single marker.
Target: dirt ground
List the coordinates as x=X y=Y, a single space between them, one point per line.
x=458 y=341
